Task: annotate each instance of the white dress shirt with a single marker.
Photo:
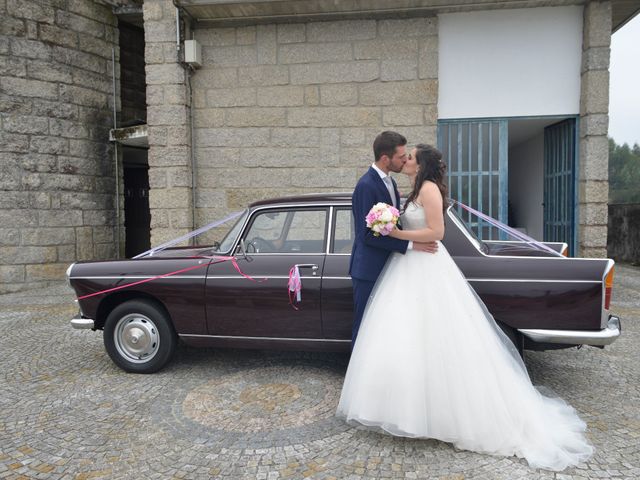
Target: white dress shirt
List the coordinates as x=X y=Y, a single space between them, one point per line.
x=388 y=183
x=386 y=179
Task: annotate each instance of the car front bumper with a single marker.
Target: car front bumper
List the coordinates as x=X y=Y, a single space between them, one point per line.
x=598 y=338
x=81 y=323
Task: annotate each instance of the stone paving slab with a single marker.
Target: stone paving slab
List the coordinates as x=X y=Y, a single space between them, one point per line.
x=67 y=412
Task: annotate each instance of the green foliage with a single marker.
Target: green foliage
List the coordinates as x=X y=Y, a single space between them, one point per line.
x=624 y=173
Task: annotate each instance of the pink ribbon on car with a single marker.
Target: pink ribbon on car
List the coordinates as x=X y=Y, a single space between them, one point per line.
x=222 y=259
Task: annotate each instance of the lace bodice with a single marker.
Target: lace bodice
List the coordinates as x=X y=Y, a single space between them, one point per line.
x=413 y=217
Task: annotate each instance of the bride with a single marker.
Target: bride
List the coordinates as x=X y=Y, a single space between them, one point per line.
x=430 y=361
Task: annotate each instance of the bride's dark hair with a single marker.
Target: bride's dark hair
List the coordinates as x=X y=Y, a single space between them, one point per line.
x=430 y=167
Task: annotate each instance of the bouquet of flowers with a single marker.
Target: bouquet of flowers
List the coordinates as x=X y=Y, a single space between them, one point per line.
x=382 y=219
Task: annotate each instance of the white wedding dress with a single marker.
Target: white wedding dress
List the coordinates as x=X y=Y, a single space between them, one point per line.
x=430 y=362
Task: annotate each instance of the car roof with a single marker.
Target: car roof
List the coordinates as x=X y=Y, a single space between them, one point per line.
x=305 y=198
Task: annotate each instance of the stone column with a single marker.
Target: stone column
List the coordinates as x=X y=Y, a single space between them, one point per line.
x=594 y=120
x=168 y=119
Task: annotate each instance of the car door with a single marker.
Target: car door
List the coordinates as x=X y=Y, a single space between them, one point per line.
x=275 y=240
x=337 y=291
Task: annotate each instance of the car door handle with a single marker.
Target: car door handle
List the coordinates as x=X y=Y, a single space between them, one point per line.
x=312 y=266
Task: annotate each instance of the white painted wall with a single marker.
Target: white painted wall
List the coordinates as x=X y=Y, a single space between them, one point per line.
x=504 y=63
x=526 y=185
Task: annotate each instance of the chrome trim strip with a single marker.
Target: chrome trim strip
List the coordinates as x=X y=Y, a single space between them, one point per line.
x=518 y=241
x=138 y=277
x=68 y=273
x=234 y=337
x=280 y=254
x=599 y=338
x=300 y=205
x=257 y=276
x=528 y=280
x=176 y=277
x=82 y=323
x=339 y=254
x=329 y=231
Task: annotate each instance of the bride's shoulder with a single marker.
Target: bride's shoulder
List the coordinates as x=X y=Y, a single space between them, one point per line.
x=429 y=186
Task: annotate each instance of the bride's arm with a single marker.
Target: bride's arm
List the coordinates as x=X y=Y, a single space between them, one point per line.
x=431 y=200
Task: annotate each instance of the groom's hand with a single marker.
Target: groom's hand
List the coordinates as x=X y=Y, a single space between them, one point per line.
x=429 y=247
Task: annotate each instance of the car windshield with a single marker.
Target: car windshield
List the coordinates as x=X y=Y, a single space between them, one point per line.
x=227 y=242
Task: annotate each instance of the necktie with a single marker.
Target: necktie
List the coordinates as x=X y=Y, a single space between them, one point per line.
x=392 y=193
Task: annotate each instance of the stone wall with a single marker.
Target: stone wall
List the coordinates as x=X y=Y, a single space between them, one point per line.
x=56 y=176
x=292 y=108
x=623 y=243
x=594 y=123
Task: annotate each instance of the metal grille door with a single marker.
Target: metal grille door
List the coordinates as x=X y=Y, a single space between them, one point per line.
x=476 y=156
x=559 y=182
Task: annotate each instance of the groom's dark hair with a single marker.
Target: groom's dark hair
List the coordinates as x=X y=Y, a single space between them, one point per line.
x=386 y=143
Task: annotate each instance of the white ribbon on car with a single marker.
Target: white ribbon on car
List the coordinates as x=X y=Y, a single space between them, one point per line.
x=509 y=230
x=189 y=235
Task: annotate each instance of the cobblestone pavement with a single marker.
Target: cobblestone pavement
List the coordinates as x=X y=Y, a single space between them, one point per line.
x=67 y=412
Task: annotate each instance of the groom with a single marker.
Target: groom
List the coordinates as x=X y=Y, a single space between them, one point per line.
x=369 y=252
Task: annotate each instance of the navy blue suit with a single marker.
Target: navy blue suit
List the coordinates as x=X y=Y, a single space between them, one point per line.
x=369 y=253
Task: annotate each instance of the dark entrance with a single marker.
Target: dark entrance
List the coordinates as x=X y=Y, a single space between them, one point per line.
x=137 y=218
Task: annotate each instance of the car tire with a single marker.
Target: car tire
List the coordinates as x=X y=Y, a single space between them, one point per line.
x=139 y=337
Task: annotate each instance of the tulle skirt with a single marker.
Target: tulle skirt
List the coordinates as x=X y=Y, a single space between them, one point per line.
x=430 y=362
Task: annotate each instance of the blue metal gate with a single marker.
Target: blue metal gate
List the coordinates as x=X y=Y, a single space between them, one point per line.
x=476 y=154
x=560 y=160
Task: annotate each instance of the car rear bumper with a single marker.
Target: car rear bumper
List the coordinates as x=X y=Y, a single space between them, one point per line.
x=81 y=323
x=598 y=338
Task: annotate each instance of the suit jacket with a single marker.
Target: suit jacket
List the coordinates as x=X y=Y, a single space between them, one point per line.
x=369 y=253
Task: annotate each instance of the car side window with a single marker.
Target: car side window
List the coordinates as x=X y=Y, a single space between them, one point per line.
x=343 y=233
x=287 y=231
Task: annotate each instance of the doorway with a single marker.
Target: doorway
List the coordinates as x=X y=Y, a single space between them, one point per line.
x=137 y=217
x=542 y=173
x=520 y=171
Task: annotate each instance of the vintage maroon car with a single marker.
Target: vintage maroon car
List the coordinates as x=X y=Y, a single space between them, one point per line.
x=540 y=300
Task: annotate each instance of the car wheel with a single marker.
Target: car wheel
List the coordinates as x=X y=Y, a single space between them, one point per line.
x=139 y=337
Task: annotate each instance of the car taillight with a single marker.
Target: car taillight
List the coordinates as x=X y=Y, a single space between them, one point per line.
x=565 y=251
x=608 y=288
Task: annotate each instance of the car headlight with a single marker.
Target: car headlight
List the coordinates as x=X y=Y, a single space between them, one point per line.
x=68 y=274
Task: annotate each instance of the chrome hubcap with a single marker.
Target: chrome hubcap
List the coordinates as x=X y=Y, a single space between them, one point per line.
x=136 y=338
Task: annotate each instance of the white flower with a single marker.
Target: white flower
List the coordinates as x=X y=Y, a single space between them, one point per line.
x=386 y=216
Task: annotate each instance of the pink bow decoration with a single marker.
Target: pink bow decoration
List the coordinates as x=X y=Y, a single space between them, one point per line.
x=295 y=286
